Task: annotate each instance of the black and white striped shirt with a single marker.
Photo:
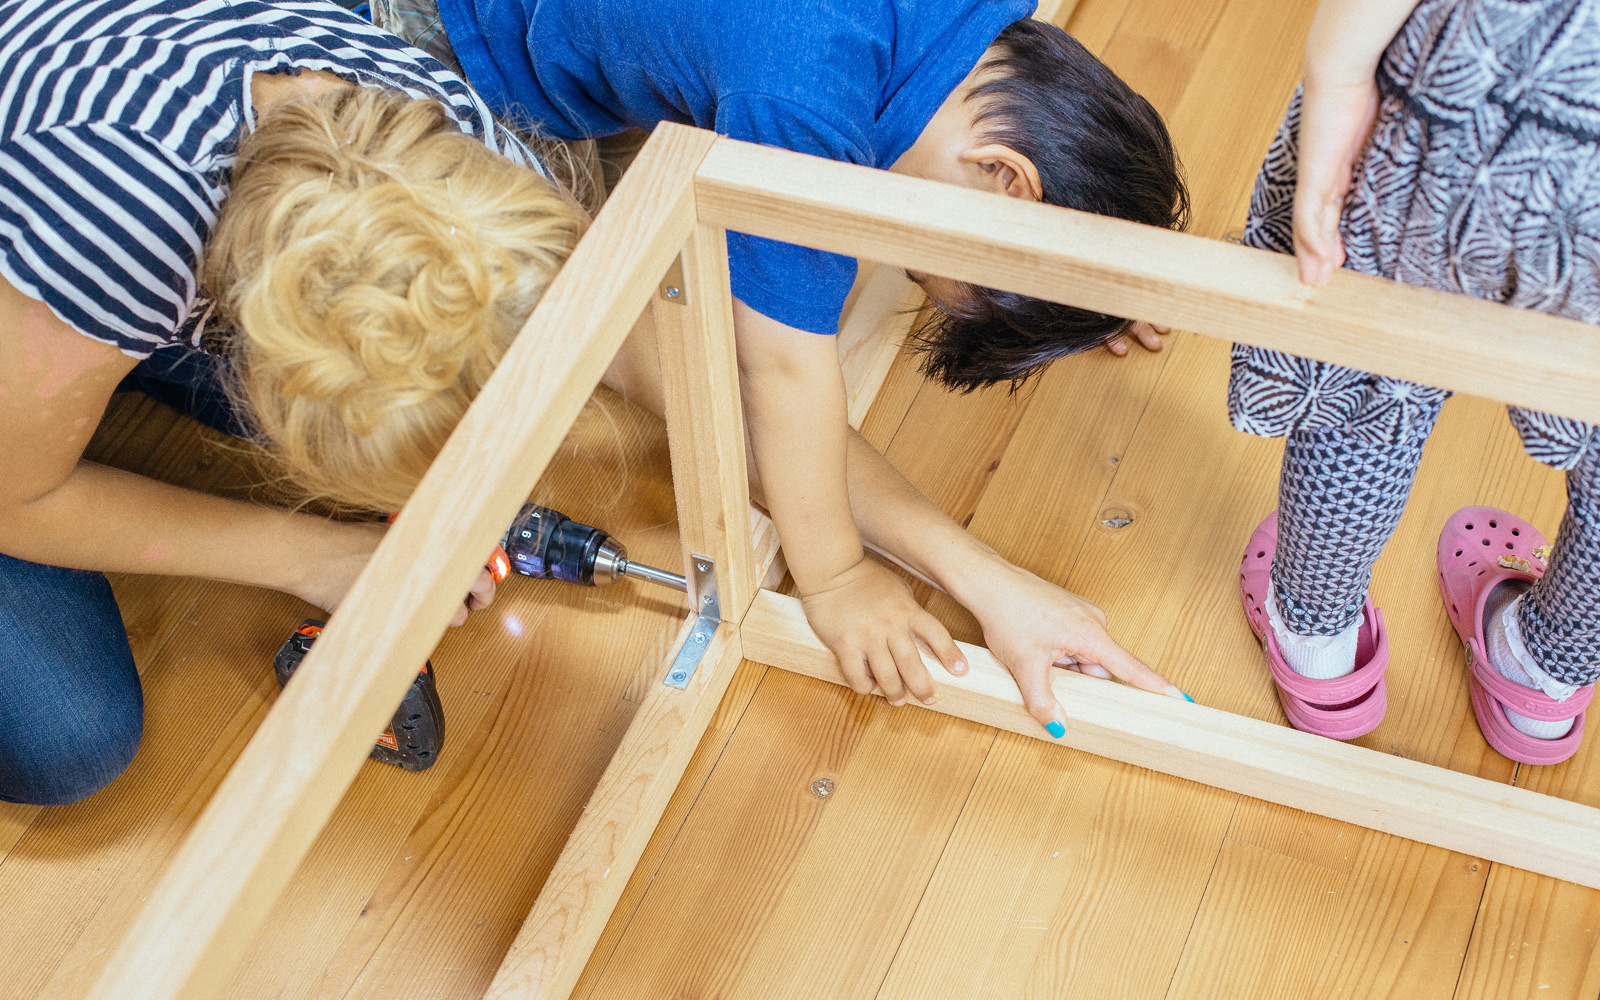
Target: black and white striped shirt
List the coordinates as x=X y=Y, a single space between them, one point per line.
x=119 y=120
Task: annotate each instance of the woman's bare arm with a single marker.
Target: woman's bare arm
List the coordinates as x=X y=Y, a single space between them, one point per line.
x=58 y=509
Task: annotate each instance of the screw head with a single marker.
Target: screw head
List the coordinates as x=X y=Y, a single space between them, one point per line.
x=706 y=599
x=822 y=787
x=673 y=292
x=678 y=675
x=699 y=637
x=703 y=567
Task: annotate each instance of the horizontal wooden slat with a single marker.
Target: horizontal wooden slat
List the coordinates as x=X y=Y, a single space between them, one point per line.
x=1434 y=805
x=1207 y=286
x=273 y=802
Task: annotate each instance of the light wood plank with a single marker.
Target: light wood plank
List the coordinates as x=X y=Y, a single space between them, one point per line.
x=1267 y=958
x=1210 y=287
x=254 y=832
x=705 y=425
x=555 y=941
x=1345 y=782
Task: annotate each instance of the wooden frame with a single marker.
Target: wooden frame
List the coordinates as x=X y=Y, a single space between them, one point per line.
x=669 y=215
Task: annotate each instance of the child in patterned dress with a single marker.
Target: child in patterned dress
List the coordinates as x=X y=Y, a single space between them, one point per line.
x=1452 y=144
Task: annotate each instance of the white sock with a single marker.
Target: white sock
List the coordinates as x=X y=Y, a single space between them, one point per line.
x=1319 y=657
x=1510 y=657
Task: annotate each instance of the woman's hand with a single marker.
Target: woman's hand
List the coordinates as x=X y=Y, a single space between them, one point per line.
x=1033 y=626
x=869 y=619
x=1335 y=121
x=345 y=549
x=1147 y=334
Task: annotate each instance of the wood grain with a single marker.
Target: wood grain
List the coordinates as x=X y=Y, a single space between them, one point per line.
x=1339 y=780
x=565 y=923
x=705 y=425
x=199 y=919
x=1220 y=289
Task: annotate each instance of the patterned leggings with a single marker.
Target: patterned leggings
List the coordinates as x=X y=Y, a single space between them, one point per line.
x=1340 y=498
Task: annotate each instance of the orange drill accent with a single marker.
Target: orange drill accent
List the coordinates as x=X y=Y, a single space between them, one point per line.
x=499 y=565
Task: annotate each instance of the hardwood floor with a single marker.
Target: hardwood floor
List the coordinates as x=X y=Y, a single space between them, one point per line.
x=950 y=860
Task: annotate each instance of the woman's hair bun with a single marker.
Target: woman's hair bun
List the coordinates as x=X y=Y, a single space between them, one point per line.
x=377 y=263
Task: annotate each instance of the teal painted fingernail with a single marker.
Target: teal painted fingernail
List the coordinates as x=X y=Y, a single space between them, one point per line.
x=1186 y=697
x=1055 y=729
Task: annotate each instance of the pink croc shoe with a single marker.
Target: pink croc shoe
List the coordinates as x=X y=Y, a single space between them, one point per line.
x=1479 y=548
x=1342 y=708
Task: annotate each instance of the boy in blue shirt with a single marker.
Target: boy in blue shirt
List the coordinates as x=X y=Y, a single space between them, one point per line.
x=970 y=92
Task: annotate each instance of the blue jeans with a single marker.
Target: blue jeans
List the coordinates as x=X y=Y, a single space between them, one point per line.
x=70 y=703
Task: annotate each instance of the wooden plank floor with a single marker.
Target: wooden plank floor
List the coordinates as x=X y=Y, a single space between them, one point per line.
x=950 y=860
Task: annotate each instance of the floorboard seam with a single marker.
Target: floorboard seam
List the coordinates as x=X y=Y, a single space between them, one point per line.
x=994 y=734
x=1477 y=918
x=728 y=738
x=1201 y=901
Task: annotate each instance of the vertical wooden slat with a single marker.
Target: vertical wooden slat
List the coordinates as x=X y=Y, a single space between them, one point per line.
x=705 y=425
x=274 y=801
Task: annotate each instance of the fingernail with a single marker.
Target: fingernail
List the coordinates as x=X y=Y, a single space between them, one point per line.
x=1186 y=697
x=929 y=700
x=958 y=667
x=1055 y=729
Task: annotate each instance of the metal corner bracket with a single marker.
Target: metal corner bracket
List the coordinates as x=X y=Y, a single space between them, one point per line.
x=708 y=615
x=672 y=287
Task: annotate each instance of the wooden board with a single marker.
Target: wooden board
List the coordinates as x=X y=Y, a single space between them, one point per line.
x=264 y=817
x=1340 y=780
x=1207 y=286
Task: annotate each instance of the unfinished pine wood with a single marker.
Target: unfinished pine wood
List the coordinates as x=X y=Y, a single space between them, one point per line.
x=1220 y=289
x=589 y=877
x=264 y=817
x=705 y=425
x=1538 y=832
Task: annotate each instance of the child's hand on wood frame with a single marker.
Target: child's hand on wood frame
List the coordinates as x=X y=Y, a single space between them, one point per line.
x=1033 y=626
x=868 y=617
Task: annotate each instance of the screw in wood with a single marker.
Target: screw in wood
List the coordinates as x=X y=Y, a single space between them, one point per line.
x=672 y=291
x=822 y=787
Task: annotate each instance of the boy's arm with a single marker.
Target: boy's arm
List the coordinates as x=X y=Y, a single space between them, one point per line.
x=1030 y=625
x=795 y=411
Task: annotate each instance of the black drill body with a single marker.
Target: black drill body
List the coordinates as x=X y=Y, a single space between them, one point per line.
x=541 y=543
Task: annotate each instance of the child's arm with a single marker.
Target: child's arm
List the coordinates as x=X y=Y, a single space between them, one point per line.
x=1030 y=625
x=1337 y=111
x=794 y=403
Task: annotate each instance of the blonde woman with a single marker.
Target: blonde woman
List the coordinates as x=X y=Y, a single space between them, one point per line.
x=347 y=214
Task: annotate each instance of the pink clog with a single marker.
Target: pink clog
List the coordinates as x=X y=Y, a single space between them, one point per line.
x=1479 y=548
x=1342 y=708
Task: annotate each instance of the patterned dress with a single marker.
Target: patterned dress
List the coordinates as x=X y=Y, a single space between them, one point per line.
x=1482 y=177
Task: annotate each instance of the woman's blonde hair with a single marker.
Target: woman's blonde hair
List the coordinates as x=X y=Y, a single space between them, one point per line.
x=376 y=263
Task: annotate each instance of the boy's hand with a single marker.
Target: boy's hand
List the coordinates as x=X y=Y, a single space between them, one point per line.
x=868 y=618
x=1147 y=334
x=1032 y=626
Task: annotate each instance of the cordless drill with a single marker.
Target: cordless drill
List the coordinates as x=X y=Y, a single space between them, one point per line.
x=541 y=543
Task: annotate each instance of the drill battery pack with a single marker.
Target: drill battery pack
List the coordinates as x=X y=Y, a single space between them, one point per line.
x=414 y=736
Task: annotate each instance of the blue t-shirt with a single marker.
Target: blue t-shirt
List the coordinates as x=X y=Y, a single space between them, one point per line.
x=851 y=80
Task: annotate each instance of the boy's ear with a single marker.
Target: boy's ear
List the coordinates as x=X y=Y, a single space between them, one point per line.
x=1013 y=174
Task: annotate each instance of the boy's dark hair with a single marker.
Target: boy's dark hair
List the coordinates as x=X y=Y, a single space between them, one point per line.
x=1099 y=147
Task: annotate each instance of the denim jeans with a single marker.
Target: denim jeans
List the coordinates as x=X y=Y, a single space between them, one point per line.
x=70 y=703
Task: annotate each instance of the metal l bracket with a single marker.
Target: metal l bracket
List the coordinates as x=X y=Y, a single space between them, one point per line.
x=708 y=615
x=672 y=287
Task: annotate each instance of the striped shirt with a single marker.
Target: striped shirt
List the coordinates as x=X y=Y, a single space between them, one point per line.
x=119 y=122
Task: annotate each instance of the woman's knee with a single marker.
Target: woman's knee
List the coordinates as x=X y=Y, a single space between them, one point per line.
x=71 y=708
x=64 y=756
